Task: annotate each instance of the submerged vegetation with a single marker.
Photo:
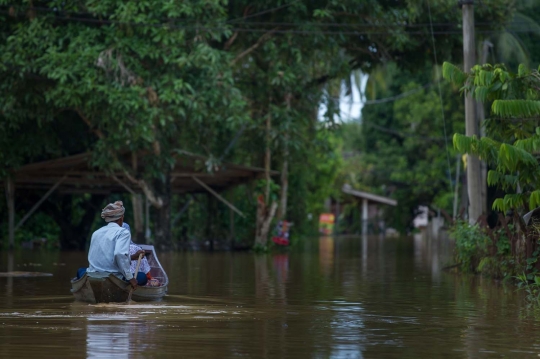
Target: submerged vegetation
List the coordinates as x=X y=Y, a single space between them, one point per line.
x=484 y=251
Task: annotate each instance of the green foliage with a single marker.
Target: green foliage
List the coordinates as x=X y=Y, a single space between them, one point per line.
x=471 y=246
x=260 y=249
x=530 y=287
x=401 y=148
x=475 y=253
x=454 y=74
x=515 y=108
x=39 y=227
x=260 y=189
x=161 y=78
x=513 y=139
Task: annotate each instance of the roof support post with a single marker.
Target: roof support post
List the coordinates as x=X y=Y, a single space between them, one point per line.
x=336 y=218
x=364 y=216
x=217 y=195
x=36 y=206
x=10 y=197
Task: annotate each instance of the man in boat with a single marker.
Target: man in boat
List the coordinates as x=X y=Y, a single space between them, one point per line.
x=109 y=248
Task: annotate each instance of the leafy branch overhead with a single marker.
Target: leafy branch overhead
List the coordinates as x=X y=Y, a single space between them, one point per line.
x=512 y=145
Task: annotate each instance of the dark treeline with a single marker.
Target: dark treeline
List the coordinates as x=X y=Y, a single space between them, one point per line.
x=239 y=82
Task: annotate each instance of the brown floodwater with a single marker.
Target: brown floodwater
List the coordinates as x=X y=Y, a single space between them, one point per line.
x=332 y=298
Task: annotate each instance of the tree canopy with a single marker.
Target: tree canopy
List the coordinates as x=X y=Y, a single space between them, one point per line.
x=230 y=80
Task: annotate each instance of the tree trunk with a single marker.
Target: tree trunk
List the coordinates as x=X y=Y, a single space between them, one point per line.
x=211 y=218
x=138 y=222
x=264 y=219
x=137 y=202
x=265 y=214
x=267 y=158
x=282 y=213
x=163 y=221
x=10 y=196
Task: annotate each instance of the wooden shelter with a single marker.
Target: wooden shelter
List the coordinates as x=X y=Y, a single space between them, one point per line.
x=371 y=205
x=75 y=174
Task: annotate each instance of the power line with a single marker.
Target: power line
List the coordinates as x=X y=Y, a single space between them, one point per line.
x=167 y=21
x=278 y=31
x=263 y=12
x=441 y=100
x=395 y=98
x=224 y=26
x=402 y=134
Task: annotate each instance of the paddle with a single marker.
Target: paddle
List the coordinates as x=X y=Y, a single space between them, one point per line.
x=136 y=272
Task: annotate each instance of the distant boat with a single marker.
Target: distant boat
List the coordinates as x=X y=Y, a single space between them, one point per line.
x=112 y=289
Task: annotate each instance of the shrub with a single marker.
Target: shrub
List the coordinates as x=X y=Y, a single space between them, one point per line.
x=530 y=287
x=471 y=245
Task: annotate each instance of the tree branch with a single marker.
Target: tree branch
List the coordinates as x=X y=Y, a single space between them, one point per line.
x=229 y=42
x=154 y=200
x=254 y=46
x=97 y=131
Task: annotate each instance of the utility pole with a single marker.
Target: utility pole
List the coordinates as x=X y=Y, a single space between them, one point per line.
x=474 y=174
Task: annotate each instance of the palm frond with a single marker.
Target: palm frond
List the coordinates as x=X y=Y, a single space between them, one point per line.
x=531 y=144
x=526 y=4
x=514 y=200
x=510 y=47
x=485 y=148
x=481 y=93
x=516 y=108
x=505 y=181
x=454 y=74
x=521 y=21
x=484 y=78
x=534 y=199
x=511 y=157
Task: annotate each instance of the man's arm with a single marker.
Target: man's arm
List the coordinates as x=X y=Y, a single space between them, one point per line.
x=121 y=254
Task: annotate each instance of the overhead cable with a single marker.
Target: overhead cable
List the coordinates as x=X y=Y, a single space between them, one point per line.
x=441 y=102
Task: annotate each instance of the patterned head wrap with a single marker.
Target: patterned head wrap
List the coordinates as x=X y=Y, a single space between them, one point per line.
x=113 y=211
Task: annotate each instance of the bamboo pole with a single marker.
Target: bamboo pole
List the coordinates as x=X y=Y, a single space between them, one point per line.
x=217 y=196
x=36 y=206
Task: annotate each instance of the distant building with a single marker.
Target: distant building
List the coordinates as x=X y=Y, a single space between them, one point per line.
x=371 y=208
x=422 y=219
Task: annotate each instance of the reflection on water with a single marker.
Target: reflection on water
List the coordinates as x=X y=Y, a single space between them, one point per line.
x=105 y=340
x=326 y=255
x=9 y=285
x=357 y=297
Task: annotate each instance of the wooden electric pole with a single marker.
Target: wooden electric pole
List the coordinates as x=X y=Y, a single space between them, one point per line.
x=474 y=175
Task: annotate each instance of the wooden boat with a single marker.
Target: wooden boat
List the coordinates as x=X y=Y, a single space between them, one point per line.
x=112 y=289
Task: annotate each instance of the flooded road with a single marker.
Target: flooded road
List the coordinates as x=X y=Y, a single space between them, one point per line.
x=333 y=298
